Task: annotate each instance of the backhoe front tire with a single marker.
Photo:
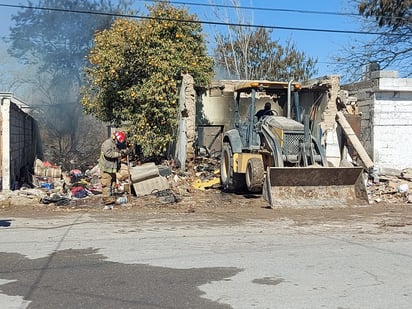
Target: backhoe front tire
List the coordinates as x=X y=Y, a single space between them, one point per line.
x=255 y=175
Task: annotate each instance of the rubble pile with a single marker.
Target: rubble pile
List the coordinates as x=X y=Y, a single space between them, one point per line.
x=393 y=189
x=62 y=188
x=52 y=186
x=206 y=173
x=164 y=185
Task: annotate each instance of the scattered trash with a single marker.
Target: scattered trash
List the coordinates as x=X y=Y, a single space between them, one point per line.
x=407 y=174
x=121 y=200
x=205 y=184
x=164 y=184
x=55 y=199
x=79 y=191
x=46 y=169
x=167 y=196
x=402 y=188
x=391 y=188
x=31 y=193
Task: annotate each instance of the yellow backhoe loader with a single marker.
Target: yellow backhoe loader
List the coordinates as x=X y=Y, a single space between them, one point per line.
x=277 y=155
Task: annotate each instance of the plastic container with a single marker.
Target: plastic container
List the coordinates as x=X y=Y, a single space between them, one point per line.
x=121 y=200
x=47 y=185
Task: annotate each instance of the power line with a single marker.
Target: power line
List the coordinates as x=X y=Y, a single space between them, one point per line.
x=272 y=9
x=256 y=8
x=216 y=23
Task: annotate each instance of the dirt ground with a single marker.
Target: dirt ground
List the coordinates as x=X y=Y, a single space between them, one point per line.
x=388 y=207
x=214 y=203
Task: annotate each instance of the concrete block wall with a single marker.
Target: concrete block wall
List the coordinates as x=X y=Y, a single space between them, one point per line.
x=216 y=105
x=392 y=129
x=385 y=102
x=19 y=140
x=366 y=134
x=218 y=110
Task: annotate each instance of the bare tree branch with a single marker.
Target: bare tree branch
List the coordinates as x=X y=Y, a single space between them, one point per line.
x=391 y=50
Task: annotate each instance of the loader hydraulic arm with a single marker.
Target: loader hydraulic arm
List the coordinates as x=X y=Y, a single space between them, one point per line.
x=271 y=141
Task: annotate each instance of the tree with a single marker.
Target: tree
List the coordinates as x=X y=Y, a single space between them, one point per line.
x=393 y=14
x=55 y=37
x=392 y=48
x=133 y=72
x=246 y=53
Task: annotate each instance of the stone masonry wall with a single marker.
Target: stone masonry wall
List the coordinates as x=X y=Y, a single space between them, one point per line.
x=184 y=151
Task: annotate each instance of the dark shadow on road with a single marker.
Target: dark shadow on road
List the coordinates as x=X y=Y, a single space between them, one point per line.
x=5 y=223
x=85 y=279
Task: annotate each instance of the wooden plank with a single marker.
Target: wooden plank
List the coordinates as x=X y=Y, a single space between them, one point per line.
x=351 y=135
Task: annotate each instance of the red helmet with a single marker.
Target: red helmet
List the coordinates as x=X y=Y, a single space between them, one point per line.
x=120 y=137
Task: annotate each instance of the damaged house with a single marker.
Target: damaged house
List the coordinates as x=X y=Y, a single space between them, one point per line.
x=378 y=108
x=215 y=114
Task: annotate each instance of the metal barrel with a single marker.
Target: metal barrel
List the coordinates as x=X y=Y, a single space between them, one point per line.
x=312 y=187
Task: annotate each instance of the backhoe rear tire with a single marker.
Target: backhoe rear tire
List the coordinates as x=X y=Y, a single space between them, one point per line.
x=255 y=175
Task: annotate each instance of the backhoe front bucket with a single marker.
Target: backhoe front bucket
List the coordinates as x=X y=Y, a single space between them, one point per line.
x=312 y=187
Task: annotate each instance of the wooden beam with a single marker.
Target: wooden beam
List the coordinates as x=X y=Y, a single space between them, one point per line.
x=350 y=134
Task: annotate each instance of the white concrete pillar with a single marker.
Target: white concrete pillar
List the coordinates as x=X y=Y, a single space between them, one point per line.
x=5 y=143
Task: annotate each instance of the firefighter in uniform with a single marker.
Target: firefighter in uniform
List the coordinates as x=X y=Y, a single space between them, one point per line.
x=112 y=150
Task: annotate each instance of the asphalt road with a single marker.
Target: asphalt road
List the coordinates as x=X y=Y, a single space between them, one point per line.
x=83 y=260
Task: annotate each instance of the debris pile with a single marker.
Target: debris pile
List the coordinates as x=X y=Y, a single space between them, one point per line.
x=46 y=174
x=164 y=184
x=51 y=185
x=207 y=174
x=392 y=188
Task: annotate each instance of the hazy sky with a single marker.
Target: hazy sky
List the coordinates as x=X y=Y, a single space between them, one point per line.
x=321 y=45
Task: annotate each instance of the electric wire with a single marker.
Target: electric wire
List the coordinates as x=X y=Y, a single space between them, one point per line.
x=269 y=9
x=216 y=23
x=266 y=9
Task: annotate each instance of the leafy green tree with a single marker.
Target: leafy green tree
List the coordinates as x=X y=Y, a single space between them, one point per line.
x=392 y=48
x=246 y=53
x=132 y=79
x=55 y=36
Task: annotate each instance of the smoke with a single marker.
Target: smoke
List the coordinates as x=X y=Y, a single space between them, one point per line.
x=50 y=47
